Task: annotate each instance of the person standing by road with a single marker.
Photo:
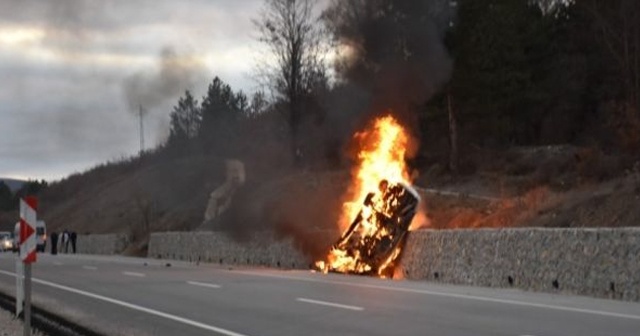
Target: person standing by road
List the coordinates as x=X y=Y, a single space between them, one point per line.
x=73 y=238
x=54 y=243
x=65 y=241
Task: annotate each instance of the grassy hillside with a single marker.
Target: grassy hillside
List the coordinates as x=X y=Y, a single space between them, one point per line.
x=134 y=197
x=13 y=184
x=542 y=187
x=551 y=186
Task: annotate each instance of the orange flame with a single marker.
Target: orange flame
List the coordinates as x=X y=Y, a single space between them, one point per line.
x=382 y=157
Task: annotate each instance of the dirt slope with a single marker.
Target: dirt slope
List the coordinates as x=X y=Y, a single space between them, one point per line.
x=159 y=196
x=551 y=187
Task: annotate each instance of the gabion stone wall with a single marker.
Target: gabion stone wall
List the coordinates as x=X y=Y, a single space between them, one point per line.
x=261 y=249
x=594 y=262
x=99 y=244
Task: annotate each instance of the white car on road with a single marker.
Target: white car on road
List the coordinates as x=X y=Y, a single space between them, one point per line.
x=6 y=241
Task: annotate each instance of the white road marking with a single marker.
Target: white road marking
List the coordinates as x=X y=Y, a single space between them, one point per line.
x=91 y=268
x=203 y=284
x=452 y=295
x=57 y=263
x=135 y=307
x=330 y=304
x=134 y=274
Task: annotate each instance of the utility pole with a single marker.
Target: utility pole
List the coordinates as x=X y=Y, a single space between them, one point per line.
x=141 y=114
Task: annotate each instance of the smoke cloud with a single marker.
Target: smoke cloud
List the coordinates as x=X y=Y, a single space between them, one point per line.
x=393 y=49
x=174 y=74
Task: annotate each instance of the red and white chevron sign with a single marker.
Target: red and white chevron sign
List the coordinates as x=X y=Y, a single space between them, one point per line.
x=28 y=242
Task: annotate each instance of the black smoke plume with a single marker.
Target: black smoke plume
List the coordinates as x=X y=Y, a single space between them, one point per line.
x=392 y=49
x=173 y=75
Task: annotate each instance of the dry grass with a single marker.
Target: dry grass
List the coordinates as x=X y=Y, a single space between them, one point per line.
x=134 y=197
x=554 y=186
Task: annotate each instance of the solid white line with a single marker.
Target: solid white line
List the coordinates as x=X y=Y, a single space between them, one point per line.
x=330 y=304
x=203 y=284
x=134 y=274
x=91 y=268
x=135 y=307
x=453 y=295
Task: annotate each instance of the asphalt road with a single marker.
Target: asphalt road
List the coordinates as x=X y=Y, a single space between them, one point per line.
x=131 y=296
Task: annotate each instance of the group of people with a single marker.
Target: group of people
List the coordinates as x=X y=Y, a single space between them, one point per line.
x=67 y=239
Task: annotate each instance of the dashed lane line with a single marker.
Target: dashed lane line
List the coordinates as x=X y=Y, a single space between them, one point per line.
x=203 y=284
x=158 y=313
x=450 y=295
x=330 y=304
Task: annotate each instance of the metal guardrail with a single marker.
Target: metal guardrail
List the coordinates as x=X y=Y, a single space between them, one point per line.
x=47 y=322
x=456 y=194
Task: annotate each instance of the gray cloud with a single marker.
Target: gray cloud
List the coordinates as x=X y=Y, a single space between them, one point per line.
x=82 y=16
x=66 y=98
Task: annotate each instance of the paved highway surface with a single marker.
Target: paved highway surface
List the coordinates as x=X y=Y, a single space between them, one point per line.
x=133 y=296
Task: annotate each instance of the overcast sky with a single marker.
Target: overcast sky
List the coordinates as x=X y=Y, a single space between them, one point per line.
x=72 y=73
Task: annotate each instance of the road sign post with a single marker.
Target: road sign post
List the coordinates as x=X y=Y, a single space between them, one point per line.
x=28 y=242
x=27 y=300
x=19 y=286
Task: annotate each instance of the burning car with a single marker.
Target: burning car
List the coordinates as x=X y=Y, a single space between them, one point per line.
x=374 y=240
x=382 y=207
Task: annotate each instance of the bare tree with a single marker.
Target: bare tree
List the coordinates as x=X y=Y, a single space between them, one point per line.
x=618 y=29
x=146 y=210
x=453 y=135
x=294 y=38
x=259 y=104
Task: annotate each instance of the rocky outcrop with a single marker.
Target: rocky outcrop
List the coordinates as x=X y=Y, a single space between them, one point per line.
x=220 y=198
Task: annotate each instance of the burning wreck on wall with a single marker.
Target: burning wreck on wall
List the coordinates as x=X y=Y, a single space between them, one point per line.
x=375 y=239
x=383 y=205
